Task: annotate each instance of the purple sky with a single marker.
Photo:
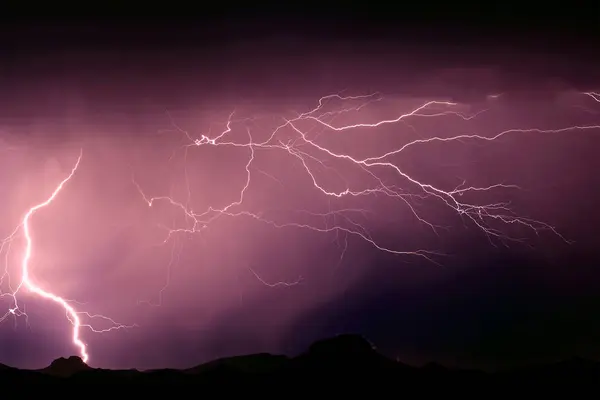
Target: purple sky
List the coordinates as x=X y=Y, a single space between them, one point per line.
x=99 y=243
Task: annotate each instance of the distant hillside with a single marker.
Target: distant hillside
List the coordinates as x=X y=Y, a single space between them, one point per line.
x=65 y=367
x=343 y=363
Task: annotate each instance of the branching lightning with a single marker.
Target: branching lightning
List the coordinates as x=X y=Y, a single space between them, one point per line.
x=304 y=146
x=27 y=281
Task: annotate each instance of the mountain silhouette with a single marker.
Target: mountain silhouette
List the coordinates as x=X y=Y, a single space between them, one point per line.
x=4 y=367
x=343 y=346
x=66 y=367
x=343 y=363
x=254 y=363
x=348 y=353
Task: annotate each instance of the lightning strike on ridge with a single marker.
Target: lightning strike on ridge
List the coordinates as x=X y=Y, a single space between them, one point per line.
x=28 y=283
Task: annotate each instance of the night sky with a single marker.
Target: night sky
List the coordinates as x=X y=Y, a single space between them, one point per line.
x=294 y=237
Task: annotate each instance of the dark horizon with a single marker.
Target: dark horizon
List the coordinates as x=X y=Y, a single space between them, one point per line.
x=130 y=95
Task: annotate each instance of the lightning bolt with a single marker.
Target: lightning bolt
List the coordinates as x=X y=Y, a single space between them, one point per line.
x=291 y=138
x=27 y=283
x=594 y=95
x=301 y=139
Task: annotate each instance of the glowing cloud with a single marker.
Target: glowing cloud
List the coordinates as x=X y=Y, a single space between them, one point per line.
x=300 y=139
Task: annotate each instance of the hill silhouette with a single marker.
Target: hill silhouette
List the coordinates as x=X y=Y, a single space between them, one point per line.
x=343 y=363
x=65 y=367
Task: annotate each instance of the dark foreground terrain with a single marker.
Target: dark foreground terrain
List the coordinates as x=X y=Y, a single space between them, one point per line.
x=338 y=365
